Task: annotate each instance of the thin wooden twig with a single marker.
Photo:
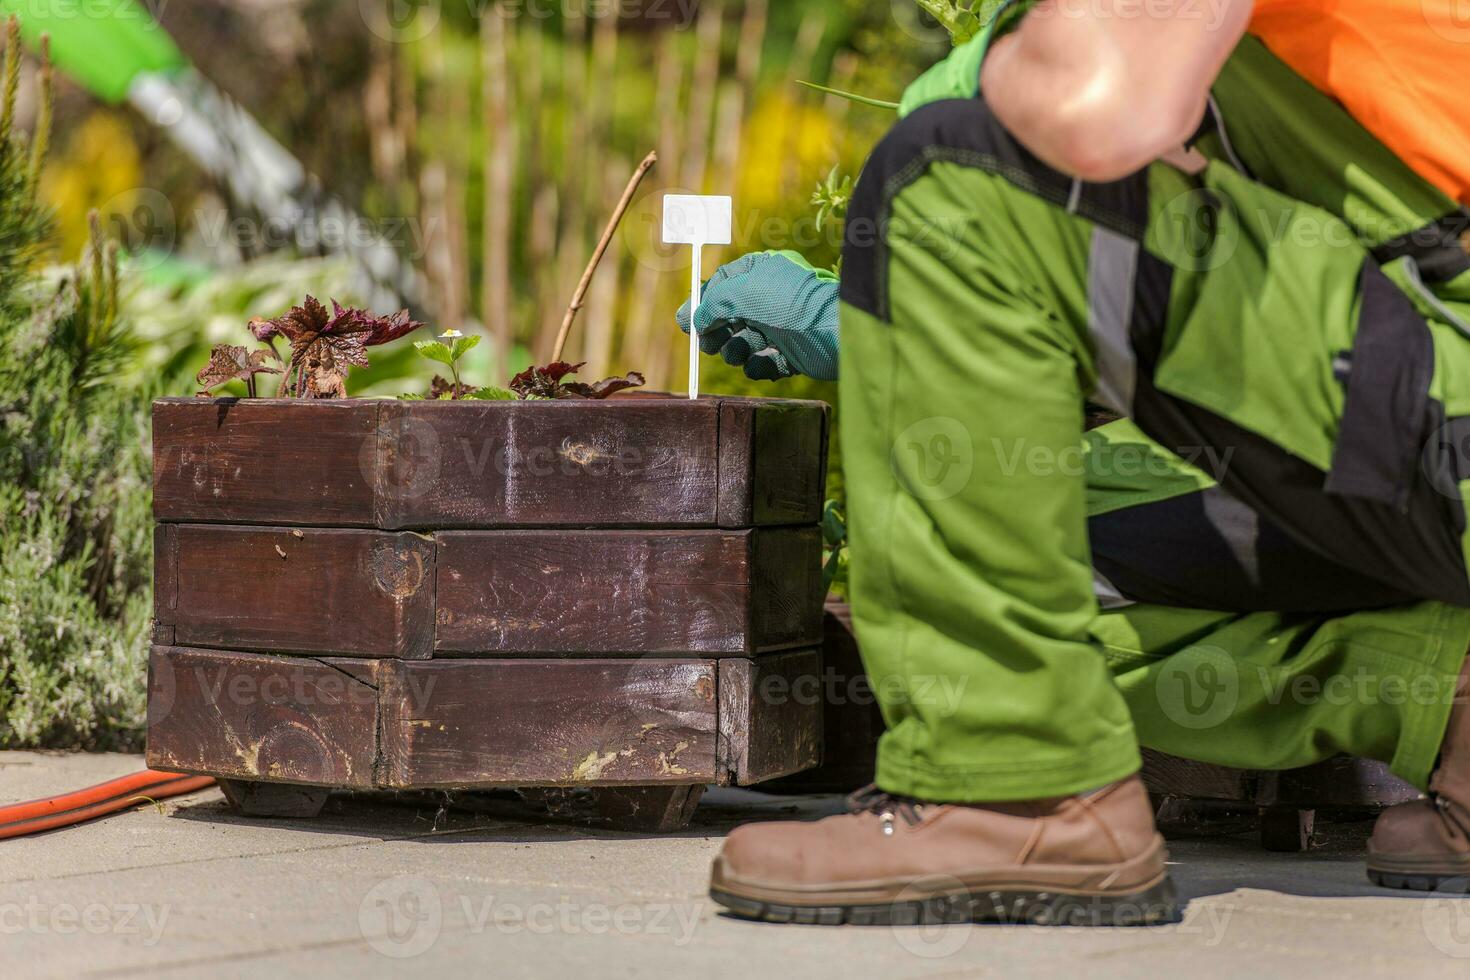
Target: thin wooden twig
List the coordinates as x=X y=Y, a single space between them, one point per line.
x=607 y=234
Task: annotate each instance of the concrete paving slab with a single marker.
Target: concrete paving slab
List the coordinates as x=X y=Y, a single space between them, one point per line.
x=379 y=889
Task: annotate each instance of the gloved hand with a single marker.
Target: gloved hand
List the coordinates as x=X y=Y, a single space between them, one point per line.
x=770 y=313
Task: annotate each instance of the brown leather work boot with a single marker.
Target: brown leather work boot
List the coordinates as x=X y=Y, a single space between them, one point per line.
x=1093 y=859
x=1424 y=845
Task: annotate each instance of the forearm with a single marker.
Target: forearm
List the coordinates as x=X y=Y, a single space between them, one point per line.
x=1099 y=96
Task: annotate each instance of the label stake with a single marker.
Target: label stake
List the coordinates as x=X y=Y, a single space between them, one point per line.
x=697 y=220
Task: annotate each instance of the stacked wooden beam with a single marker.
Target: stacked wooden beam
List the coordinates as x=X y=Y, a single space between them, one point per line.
x=381 y=594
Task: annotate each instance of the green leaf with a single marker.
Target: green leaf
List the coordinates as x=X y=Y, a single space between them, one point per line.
x=463 y=345
x=834 y=570
x=435 y=351
x=409 y=396
x=493 y=395
x=834 y=525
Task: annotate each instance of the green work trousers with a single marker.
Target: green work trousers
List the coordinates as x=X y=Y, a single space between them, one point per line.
x=1276 y=566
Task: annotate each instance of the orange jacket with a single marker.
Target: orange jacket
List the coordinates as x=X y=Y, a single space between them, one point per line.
x=1400 y=67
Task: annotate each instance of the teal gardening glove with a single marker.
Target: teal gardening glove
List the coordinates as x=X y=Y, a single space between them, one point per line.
x=770 y=313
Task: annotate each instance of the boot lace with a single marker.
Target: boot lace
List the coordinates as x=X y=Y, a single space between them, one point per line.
x=871 y=799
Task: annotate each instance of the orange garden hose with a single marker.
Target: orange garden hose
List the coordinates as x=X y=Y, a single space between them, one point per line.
x=66 y=809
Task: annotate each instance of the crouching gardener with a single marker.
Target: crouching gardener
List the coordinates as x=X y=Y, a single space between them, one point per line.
x=1240 y=229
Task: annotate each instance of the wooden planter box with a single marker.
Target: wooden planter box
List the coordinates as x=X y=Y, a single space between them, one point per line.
x=409 y=595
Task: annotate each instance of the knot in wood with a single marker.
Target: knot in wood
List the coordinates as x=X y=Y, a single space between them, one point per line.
x=398 y=569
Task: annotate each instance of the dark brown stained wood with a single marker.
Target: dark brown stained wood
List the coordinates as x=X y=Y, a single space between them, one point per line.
x=1286 y=829
x=622 y=462
x=655 y=809
x=165 y=545
x=304 y=590
x=1342 y=781
x=255 y=717
x=1167 y=775
x=773 y=461
x=851 y=719
x=285 y=800
x=264 y=461
x=786 y=587
x=653 y=461
x=770 y=716
x=476 y=723
x=682 y=592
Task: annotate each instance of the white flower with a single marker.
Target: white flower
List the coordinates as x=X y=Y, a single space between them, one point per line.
x=450 y=335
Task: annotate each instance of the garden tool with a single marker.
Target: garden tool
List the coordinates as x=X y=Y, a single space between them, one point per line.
x=120 y=53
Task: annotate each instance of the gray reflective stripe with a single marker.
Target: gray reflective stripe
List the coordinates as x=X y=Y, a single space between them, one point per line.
x=1108 y=596
x=1074 y=196
x=1416 y=279
x=1224 y=135
x=1111 y=268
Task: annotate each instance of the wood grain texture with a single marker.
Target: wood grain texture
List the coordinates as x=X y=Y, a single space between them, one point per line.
x=851 y=719
x=257 y=717
x=165 y=582
x=303 y=590
x=265 y=461
x=654 y=809
x=284 y=800
x=548 y=723
x=770 y=716
x=767 y=449
x=1342 y=781
x=626 y=462
x=786 y=588
x=623 y=462
x=683 y=592
x=1167 y=775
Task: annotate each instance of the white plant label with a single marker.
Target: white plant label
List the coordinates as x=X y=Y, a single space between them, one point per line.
x=697 y=220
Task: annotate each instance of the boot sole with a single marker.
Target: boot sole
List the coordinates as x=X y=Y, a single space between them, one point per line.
x=1420 y=875
x=1155 y=905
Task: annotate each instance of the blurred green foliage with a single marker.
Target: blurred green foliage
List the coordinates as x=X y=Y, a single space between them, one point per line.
x=75 y=522
x=400 y=131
